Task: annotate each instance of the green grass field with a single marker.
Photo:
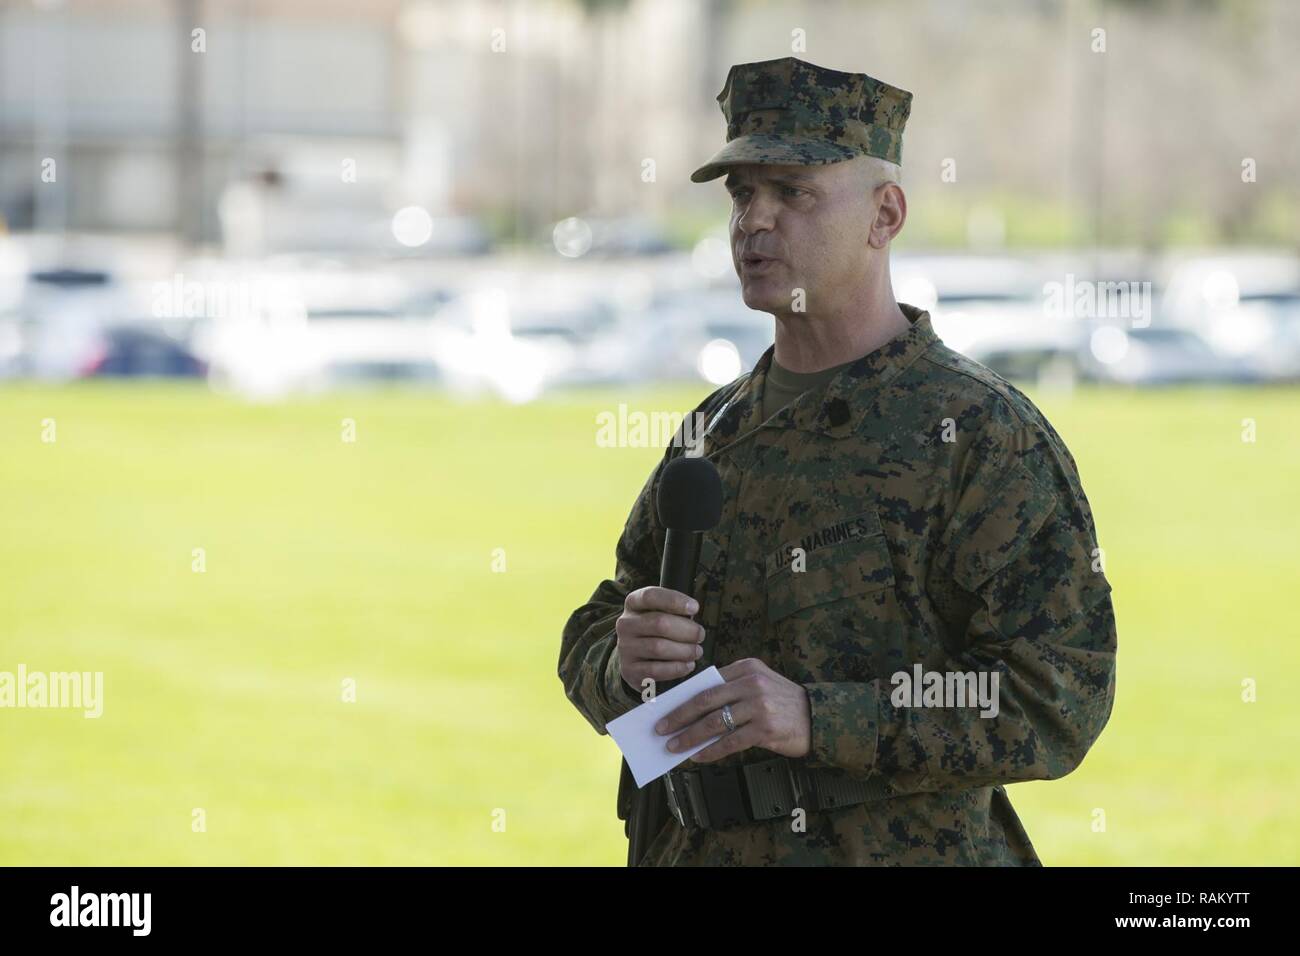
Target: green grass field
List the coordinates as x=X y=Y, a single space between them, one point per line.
x=372 y=561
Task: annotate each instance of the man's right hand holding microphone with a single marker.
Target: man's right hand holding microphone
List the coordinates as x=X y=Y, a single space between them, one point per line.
x=656 y=636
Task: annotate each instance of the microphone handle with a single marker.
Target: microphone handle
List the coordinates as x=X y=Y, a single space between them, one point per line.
x=681 y=551
x=681 y=555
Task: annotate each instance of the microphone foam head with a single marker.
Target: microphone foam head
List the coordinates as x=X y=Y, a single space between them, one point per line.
x=690 y=495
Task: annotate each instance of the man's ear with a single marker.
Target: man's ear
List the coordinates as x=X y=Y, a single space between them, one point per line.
x=890 y=205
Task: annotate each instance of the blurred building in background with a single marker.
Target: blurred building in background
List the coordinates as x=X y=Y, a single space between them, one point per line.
x=320 y=112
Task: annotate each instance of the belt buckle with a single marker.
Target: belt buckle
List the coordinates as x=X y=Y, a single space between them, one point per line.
x=724 y=799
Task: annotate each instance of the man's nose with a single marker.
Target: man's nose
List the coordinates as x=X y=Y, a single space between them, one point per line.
x=759 y=215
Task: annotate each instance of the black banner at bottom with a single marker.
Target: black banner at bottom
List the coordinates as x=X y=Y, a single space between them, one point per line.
x=211 y=905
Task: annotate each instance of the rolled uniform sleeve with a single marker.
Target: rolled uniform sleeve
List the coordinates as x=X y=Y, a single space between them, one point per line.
x=589 y=663
x=1018 y=554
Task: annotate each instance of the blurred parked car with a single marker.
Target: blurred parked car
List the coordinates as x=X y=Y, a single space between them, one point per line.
x=11 y=344
x=992 y=309
x=64 y=311
x=311 y=328
x=354 y=346
x=1245 y=305
x=516 y=342
x=698 y=334
x=1156 y=356
x=600 y=237
x=138 y=350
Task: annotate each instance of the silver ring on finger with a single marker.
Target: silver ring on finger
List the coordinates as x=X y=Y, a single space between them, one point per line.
x=727 y=718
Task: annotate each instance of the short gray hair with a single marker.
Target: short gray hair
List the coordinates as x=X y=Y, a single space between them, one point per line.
x=878 y=171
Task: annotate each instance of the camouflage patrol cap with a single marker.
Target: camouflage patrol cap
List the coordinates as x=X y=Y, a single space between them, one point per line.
x=789 y=111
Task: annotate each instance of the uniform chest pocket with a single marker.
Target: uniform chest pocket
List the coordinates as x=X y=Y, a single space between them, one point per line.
x=847 y=560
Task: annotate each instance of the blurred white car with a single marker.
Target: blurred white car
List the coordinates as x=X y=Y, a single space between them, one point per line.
x=11 y=344
x=698 y=334
x=282 y=330
x=990 y=308
x=60 y=320
x=1246 y=306
x=1155 y=356
x=352 y=346
x=519 y=341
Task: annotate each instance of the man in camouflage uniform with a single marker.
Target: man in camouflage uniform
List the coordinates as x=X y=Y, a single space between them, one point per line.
x=887 y=503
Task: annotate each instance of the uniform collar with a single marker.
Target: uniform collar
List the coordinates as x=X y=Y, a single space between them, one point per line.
x=837 y=409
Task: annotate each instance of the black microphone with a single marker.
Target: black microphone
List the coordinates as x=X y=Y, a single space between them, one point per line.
x=689 y=503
